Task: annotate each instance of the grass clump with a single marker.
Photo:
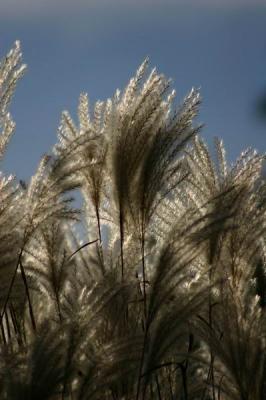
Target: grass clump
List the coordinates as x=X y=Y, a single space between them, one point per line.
x=164 y=296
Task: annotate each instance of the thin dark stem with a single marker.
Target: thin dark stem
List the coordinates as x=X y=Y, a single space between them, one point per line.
x=7 y=325
x=11 y=285
x=166 y=364
x=184 y=367
x=143 y=268
x=98 y=223
x=100 y=249
x=184 y=380
x=56 y=286
x=28 y=296
x=144 y=309
x=142 y=360
x=210 y=322
x=82 y=247
x=3 y=333
x=210 y=377
x=15 y=325
x=58 y=305
x=121 y=227
x=13 y=320
x=158 y=387
x=219 y=388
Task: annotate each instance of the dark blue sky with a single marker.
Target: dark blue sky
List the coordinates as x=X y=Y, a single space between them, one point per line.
x=96 y=46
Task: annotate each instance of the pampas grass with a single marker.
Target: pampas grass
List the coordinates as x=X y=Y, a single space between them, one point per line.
x=163 y=296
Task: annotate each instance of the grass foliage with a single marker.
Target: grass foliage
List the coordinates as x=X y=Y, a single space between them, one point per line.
x=163 y=296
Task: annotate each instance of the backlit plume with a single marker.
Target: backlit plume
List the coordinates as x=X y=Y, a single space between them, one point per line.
x=155 y=287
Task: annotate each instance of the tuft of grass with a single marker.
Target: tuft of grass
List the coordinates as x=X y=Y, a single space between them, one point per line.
x=163 y=296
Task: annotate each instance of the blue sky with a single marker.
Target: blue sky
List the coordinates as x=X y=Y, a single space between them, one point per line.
x=96 y=46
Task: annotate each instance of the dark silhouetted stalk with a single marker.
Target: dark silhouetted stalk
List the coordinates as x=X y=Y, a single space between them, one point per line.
x=98 y=223
x=82 y=247
x=3 y=333
x=142 y=360
x=11 y=285
x=143 y=269
x=58 y=305
x=121 y=228
x=210 y=323
x=160 y=366
x=28 y=297
x=7 y=325
x=184 y=380
x=210 y=377
x=15 y=325
x=158 y=387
